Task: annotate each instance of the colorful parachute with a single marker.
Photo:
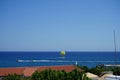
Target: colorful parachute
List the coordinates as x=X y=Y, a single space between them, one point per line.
x=62 y=53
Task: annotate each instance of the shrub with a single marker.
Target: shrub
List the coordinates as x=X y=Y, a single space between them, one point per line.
x=12 y=77
x=59 y=75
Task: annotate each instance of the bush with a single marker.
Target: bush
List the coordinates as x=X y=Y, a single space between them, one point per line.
x=100 y=68
x=59 y=75
x=12 y=77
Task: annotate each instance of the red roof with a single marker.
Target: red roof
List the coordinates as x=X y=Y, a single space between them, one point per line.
x=28 y=71
x=6 y=71
x=67 y=68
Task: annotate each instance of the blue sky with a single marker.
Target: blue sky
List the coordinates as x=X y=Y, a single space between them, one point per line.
x=55 y=25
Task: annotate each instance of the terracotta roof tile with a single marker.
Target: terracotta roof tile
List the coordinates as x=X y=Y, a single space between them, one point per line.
x=67 y=68
x=6 y=71
x=28 y=71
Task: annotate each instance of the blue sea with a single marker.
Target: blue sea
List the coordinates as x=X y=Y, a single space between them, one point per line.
x=90 y=59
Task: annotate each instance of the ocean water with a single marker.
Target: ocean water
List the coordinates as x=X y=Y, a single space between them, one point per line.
x=90 y=59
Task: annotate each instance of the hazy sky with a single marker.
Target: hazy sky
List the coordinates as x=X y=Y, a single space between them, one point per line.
x=54 y=25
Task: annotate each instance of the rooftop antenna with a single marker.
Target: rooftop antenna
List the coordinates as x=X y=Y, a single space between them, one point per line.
x=115 y=54
x=115 y=47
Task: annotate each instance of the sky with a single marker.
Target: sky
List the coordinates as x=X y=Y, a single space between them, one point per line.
x=55 y=25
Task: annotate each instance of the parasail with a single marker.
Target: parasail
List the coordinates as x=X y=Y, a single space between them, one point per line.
x=62 y=53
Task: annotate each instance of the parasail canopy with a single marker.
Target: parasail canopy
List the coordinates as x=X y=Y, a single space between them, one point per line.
x=62 y=53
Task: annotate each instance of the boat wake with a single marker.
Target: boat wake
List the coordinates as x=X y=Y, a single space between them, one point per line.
x=43 y=61
x=61 y=61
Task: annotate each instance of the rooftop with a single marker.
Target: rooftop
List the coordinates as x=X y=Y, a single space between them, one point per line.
x=28 y=71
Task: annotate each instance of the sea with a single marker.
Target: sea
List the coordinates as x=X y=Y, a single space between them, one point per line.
x=25 y=59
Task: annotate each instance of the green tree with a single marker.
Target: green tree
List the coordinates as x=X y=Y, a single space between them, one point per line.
x=58 y=75
x=12 y=77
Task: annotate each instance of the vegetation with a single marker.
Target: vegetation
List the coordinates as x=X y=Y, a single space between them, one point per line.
x=59 y=75
x=62 y=75
x=100 y=68
x=50 y=75
x=12 y=77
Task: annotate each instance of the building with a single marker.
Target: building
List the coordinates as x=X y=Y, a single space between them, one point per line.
x=28 y=71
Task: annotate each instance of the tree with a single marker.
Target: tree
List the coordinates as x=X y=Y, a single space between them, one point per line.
x=12 y=77
x=58 y=75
